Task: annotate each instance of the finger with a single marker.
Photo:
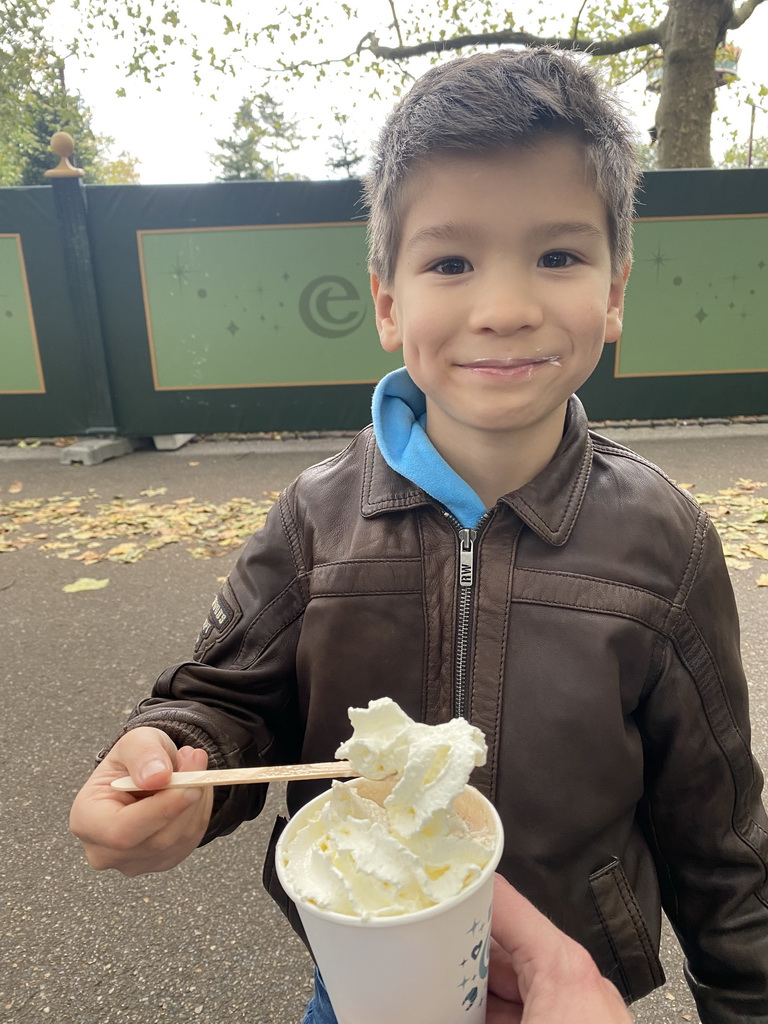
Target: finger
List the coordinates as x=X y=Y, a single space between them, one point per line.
x=147 y=755
x=107 y=819
x=499 y=1011
x=191 y=759
x=516 y=924
x=502 y=978
x=548 y=964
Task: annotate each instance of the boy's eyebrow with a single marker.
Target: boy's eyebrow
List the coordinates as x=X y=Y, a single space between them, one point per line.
x=571 y=227
x=449 y=230
x=439 y=233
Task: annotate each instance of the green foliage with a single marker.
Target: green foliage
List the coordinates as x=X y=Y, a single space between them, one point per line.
x=345 y=157
x=34 y=104
x=262 y=136
x=23 y=60
x=43 y=111
x=395 y=39
x=739 y=155
x=648 y=157
x=120 y=170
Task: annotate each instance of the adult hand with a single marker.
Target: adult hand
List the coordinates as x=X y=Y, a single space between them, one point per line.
x=136 y=833
x=538 y=975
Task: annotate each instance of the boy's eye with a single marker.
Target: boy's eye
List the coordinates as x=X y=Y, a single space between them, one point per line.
x=557 y=260
x=451 y=266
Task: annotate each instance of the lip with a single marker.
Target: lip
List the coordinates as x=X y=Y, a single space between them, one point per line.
x=522 y=365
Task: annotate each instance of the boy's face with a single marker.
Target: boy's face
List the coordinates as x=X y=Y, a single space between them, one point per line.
x=503 y=294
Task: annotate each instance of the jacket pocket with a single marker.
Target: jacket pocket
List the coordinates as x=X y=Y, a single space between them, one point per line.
x=637 y=969
x=273 y=886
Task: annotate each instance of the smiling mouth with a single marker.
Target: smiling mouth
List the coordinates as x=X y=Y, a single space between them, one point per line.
x=509 y=364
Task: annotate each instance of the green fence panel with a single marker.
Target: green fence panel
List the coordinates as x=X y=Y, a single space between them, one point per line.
x=695 y=338
x=43 y=375
x=246 y=307
x=236 y=307
x=20 y=369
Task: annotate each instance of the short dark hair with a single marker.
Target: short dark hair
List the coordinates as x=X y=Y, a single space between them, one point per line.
x=496 y=100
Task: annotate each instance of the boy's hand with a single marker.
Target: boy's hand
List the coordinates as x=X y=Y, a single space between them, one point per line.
x=133 y=832
x=538 y=975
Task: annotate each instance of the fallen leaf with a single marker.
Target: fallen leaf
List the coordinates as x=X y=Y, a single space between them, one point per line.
x=737 y=563
x=193 y=463
x=90 y=557
x=16 y=487
x=84 y=583
x=762 y=581
x=152 y=492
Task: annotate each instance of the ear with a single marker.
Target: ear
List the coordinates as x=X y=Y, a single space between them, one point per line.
x=615 y=310
x=386 y=323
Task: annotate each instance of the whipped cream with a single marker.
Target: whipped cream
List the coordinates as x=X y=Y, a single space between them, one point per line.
x=392 y=842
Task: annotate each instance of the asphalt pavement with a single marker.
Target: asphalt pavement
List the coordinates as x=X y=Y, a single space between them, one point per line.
x=202 y=942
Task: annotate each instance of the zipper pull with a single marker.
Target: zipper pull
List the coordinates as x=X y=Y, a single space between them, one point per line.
x=466 y=557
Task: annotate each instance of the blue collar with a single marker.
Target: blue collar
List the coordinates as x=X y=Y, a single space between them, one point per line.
x=399 y=418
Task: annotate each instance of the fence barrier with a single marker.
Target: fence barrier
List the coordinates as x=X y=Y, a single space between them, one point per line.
x=142 y=310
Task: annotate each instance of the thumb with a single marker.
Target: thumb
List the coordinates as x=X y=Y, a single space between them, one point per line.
x=148 y=756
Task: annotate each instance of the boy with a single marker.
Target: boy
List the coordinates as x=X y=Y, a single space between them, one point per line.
x=479 y=552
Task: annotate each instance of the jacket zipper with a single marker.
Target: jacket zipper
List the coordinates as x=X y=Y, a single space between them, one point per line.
x=463 y=615
x=466 y=586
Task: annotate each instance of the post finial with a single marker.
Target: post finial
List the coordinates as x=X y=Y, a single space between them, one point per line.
x=63 y=145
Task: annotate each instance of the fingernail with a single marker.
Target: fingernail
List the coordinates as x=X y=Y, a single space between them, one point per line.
x=153 y=768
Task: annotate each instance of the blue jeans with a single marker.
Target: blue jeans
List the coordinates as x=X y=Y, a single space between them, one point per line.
x=319 y=1009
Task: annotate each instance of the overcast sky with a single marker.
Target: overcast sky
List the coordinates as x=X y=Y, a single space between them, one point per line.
x=172 y=131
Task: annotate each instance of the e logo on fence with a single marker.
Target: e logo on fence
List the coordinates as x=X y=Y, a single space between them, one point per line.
x=331 y=307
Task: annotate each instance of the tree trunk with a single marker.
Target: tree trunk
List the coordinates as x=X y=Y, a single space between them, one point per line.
x=690 y=35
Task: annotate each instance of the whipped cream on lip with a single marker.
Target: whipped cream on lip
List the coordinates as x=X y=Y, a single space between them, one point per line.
x=519 y=366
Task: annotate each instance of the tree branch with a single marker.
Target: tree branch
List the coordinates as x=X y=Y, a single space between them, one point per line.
x=637 y=71
x=575 y=33
x=596 y=47
x=746 y=10
x=396 y=23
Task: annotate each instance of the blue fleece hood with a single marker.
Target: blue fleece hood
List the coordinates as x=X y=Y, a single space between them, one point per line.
x=399 y=419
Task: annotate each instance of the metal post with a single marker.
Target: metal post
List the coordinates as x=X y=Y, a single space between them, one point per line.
x=71 y=212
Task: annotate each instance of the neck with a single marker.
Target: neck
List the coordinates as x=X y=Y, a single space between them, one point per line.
x=494 y=464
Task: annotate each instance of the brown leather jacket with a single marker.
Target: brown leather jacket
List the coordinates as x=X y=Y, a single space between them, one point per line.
x=588 y=629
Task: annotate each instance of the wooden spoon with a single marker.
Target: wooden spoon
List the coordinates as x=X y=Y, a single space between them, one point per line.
x=241 y=776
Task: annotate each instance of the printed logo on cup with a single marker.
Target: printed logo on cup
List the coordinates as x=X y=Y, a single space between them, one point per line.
x=475 y=966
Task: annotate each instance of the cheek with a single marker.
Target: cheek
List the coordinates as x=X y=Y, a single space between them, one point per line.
x=589 y=319
x=425 y=326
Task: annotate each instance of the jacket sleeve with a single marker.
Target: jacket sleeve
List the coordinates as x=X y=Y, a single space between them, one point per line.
x=237 y=698
x=706 y=823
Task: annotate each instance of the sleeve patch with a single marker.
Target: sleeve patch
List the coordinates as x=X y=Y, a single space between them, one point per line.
x=224 y=613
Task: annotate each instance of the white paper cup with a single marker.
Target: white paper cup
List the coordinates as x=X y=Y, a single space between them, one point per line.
x=426 y=967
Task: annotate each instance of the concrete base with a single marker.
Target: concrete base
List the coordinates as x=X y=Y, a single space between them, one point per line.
x=170 y=442
x=90 y=451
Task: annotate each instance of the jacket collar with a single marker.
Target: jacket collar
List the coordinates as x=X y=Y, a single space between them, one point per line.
x=549 y=504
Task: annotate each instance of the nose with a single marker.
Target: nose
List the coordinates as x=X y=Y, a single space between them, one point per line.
x=504 y=303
